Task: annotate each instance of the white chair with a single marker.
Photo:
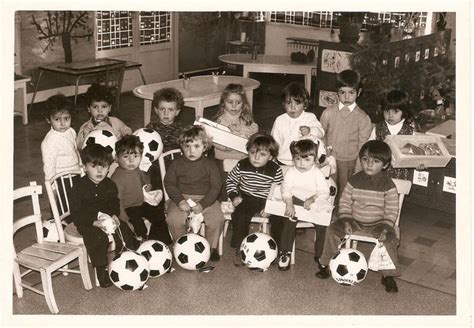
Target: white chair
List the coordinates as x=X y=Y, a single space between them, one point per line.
x=56 y=188
x=403 y=188
x=44 y=257
x=163 y=162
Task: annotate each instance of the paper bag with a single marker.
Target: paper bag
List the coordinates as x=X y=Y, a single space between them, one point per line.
x=379 y=259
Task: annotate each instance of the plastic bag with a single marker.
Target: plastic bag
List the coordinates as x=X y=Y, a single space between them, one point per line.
x=379 y=259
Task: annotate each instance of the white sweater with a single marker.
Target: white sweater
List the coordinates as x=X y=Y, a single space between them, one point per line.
x=304 y=184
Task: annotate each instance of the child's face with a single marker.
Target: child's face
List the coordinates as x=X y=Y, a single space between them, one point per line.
x=60 y=121
x=233 y=104
x=167 y=112
x=392 y=116
x=303 y=164
x=347 y=95
x=96 y=173
x=129 y=160
x=259 y=157
x=372 y=166
x=99 y=110
x=293 y=108
x=193 y=150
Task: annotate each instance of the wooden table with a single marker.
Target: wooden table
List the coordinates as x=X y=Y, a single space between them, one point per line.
x=270 y=64
x=201 y=93
x=20 y=106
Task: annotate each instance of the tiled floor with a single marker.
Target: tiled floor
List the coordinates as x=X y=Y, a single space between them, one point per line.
x=428 y=244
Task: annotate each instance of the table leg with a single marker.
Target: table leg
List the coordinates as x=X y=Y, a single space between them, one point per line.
x=36 y=89
x=245 y=72
x=143 y=76
x=307 y=81
x=146 y=111
x=199 y=110
x=249 y=95
x=24 y=106
x=76 y=90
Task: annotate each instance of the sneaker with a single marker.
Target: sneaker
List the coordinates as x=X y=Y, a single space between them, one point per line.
x=103 y=277
x=323 y=273
x=284 y=261
x=215 y=257
x=237 y=259
x=390 y=284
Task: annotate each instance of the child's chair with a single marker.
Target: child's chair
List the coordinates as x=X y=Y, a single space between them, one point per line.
x=163 y=161
x=58 y=197
x=113 y=79
x=403 y=188
x=42 y=256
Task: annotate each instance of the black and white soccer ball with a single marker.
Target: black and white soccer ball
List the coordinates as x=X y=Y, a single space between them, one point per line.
x=158 y=255
x=348 y=266
x=102 y=137
x=129 y=271
x=258 y=250
x=152 y=144
x=50 y=232
x=191 y=251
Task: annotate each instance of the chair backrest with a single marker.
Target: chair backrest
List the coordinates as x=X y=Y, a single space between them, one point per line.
x=403 y=188
x=33 y=191
x=163 y=161
x=57 y=190
x=114 y=76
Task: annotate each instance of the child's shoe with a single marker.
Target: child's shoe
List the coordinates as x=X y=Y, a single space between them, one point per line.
x=237 y=259
x=284 y=261
x=390 y=284
x=316 y=259
x=103 y=277
x=215 y=257
x=323 y=272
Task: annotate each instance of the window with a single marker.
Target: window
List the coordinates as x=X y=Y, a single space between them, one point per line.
x=155 y=27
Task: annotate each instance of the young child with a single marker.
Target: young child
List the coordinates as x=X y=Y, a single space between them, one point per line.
x=397 y=121
x=58 y=147
x=234 y=113
x=249 y=183
x=303 y=184
x=99 y=104
x=369 y=204
x=131 y=184
x=94 y=193
x=196 y=177
x=347 y=126
x=296 y=124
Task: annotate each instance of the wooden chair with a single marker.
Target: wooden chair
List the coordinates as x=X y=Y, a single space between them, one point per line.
x=113 y=79
x=44 y=257
x=403 y=188
x=163 y=161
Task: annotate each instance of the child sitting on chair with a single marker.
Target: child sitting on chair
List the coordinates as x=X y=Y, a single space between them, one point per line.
x=303 y=184
x=196 y=177
x=132 y=183
x=91 y=197
x=248 y=185
x=99 y=104
x=368 y=205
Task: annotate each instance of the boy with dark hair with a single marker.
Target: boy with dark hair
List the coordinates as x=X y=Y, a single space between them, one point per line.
x=94 y=193
x=368 y=205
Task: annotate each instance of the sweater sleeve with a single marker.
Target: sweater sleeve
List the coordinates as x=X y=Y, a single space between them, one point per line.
x=215 y=184
x=287 y=185
x=276 y=133
x=49 y=154
x=391 y=207
x=365 y=128
x=345 y=202
x=325 y=123
x=232 y=182
x=123 y=130
x=315 y=126
x=322 y=189
x=171 y=184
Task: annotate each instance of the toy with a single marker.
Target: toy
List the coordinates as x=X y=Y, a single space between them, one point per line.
x=102 y=137
x=191 y=251
x=348 y=266
x=152 y=144
x=258 y=250
x=158 y=255
x=50 y=232
x=129 y=271
x=442 y=106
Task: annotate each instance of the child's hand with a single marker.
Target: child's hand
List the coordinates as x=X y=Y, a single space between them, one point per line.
x=97 y=224
x=290 y=209
x=347 y=228
x=234 y=128
x=236 y=201
x=308 y=202
x=116 y=219
x=383 y=236
x=197 y=209
x=147 y=187
x=184 y=206
x=263 y=214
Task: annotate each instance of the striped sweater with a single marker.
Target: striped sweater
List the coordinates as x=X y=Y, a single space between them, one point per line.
x=244 y=178
x=370 y=200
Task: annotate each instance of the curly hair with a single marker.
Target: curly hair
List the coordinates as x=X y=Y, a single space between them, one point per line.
x=169 y=95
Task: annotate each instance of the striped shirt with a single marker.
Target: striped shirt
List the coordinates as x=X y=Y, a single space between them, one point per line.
x=252 y=181
x=370 y=200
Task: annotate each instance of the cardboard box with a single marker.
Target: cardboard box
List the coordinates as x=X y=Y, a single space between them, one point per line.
x=221 y=135
x=446 y=129
x=400 y=160
x=275 y=205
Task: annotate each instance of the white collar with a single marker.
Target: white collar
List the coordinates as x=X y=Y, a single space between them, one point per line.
x=395 y=128
x=351 y=107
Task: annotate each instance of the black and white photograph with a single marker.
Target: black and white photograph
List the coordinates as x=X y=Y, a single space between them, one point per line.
x=197 y=165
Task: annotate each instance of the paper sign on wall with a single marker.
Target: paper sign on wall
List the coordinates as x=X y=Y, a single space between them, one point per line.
x=449 y=184
x=421 y=178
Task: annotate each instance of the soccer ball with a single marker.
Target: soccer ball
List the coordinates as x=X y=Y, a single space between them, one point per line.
x=191 y=251
x=158 y=255
x=50 y=232
x=258 y=250
x=102 y=137
x=332 y=190
x=129 y=271
x=348 y=266
x=152 y=144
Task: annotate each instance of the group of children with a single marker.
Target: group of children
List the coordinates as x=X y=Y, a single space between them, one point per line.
x=298 y=142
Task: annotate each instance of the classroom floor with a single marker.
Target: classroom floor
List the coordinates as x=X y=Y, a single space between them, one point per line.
x=427 y=255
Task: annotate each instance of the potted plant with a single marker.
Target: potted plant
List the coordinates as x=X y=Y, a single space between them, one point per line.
x=350 y=23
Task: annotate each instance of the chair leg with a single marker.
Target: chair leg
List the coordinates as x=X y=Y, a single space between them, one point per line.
x=221 y=243
x=97 y=284
x=17 y=280
x=48 y=291
x=84 y=268
x=226 y=226
x=293 y=253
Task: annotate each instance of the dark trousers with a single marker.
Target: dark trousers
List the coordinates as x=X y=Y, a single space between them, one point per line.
x=97 y=242
x=156 y=216
x=242 y=216
x=283 y=230
x=319 y=242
